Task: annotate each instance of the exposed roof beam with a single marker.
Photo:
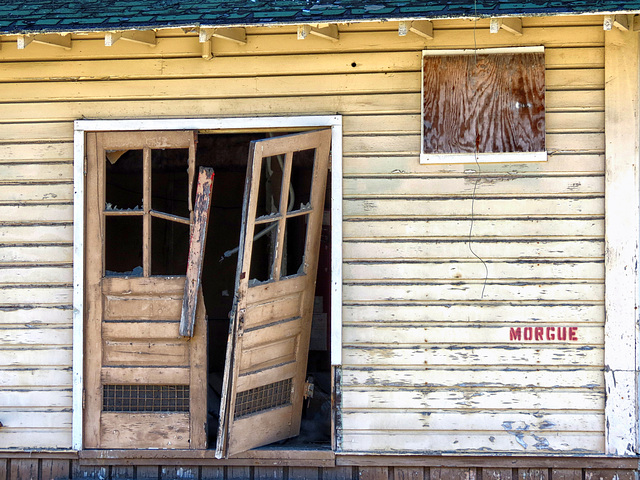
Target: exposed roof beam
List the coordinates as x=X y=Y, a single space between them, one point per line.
x=53 y=39
x=330 y=32
x=424 y=28
x=145 y=37
x=512 y=25
x=621 y=22
x=237 y=35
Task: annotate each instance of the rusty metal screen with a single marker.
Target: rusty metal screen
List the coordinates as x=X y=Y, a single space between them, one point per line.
x=145 y=398
x=263 y=398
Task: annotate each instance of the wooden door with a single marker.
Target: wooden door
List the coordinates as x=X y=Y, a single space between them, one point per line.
x=145 y=385
x=271 y=319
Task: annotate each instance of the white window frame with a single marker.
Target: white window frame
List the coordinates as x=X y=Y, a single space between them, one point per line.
x=472 y=158
x=210 y=124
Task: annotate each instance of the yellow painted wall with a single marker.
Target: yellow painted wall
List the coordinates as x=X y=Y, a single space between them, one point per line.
x=428 y=365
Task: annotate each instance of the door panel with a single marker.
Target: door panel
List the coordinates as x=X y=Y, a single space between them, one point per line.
x=145 y=384
x=275 y=284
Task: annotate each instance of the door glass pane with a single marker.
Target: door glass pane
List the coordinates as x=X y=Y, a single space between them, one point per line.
x=123 y=245
x=294 y=240
x=123 y=172
x=301 y=177
x=169 y=247
x=268 y=201
x=170 y=181
x=263 y=252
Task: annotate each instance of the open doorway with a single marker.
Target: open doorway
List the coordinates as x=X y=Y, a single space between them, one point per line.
x=227 y=154
x=145 y=384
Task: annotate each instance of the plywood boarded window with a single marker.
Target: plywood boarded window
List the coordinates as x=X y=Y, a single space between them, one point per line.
x=486 y=105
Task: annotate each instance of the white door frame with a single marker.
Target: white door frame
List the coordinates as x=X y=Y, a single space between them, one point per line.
x=253 y=123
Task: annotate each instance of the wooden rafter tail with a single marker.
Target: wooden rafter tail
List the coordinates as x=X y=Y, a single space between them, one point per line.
x=196 y=250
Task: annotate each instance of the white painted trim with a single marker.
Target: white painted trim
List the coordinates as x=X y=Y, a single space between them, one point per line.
x=483 y=51
x=506 y=157
x=249 y=123
x=622 y=238
x=78 y=288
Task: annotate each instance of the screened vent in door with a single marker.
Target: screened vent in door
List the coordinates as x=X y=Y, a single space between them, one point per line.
x=275 y=281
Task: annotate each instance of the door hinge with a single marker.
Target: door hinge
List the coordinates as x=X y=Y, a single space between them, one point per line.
x=307 y=390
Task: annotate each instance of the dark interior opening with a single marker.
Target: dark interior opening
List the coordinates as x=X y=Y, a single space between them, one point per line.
x=227 y=154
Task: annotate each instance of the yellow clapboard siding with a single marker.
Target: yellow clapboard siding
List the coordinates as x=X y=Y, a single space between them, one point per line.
x=302 y=63
x=493 y=291
x=363 y=334
x=36 y=233
x=50 y=314
x=467 y=184
x=34 y=356
x=425 y=421
x=36 y=377
x=481 y=443
x=36 y=172
x=36 y=253
x=455 y=355
x=35 y=274
x=493 y=377
x=27 y=294
x=472 y=269
x=35 y=397
x=363 y=227
x=54 y=438
x=401 y=206
x=35 y=419
x=35 y=335
x=51 y=212
x=31 y=192
x=469 y=398
x=37 y=131
x=408 y=164
x=498 y=313
x=23 y=152
x=485 y=248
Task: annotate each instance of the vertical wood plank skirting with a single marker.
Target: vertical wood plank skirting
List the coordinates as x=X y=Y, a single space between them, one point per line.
x=621 y=241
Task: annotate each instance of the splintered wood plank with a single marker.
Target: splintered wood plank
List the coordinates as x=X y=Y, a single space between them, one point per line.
x=24 y=469
x=197 y=244
x=144 y=430
x=198 y=378
x=211 y=473
x=468 y=103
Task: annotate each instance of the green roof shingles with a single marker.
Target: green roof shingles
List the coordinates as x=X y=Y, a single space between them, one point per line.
x=31 y=16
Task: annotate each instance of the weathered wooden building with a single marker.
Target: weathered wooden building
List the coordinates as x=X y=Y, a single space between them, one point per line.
x=425 y=212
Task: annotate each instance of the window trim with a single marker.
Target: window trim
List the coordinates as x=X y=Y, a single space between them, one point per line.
x=472 y=158
x=210 y=124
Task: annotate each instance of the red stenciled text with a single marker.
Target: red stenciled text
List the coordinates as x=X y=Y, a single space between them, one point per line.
x=543 y=334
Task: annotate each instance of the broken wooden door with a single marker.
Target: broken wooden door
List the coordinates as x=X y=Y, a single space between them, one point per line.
x=275 y=284
x=145 y=385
